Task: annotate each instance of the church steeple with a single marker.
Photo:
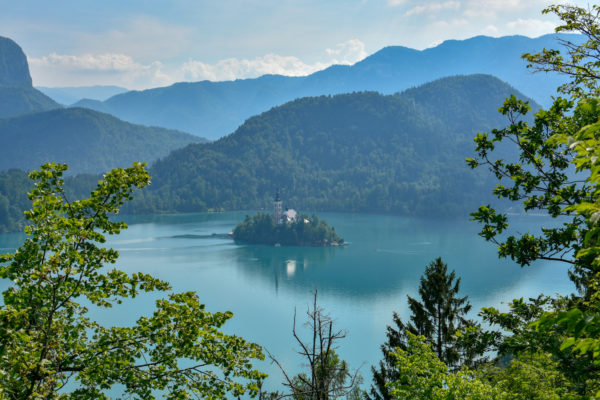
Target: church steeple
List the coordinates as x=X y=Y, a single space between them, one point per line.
x=277 y=208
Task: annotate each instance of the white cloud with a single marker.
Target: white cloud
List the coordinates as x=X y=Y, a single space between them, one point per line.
x=490 y=30
x=88 y=69
x=347 y=53
x=233 y=68
x=453 y=23
x=495 y=8
x=395 y=3
x=531 y=27
x=120 y=69
x=90 y=62
x=433 y=8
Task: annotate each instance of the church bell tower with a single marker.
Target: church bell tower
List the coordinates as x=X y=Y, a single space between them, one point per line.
x=277 y=208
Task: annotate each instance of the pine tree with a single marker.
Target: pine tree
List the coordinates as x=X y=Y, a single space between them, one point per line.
x=440 y=313
x=437 y=316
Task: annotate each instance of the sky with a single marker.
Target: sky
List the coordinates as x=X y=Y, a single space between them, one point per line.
x=141 y=44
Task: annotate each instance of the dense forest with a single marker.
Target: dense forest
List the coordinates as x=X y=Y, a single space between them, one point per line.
x=86 y=140
x=22 y=100
x=303 y=231
x=359 y=152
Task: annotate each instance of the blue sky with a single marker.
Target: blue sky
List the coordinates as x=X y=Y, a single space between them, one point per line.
x=142 y=44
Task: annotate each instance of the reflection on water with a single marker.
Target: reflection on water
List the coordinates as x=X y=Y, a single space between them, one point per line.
x=360 y=285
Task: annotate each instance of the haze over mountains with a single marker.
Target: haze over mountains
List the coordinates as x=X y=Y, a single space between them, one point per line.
x=34 y=129
x=358 y=152
x=72 y=94
x=363 y=151
x=87 y=140
x=214 y=109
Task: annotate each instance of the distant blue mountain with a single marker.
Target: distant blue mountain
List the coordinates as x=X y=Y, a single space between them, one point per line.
x=72 y=94
x=214 y=109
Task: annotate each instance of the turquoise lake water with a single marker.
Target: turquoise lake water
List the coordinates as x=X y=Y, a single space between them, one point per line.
x=359 y=285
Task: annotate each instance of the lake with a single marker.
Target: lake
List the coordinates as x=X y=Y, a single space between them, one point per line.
x=359 y=285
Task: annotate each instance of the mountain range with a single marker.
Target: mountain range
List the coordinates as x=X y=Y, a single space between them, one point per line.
x=358 y=152
x=72 y=94
x=87 y=140
x=214 y=109
x=34 y=129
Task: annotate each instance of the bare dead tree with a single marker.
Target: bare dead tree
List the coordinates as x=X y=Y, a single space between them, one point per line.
x=328 y=377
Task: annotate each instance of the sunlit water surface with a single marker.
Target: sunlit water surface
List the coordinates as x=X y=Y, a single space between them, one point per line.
x=359 y=285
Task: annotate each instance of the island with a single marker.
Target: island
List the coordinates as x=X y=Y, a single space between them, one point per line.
x=286 y=229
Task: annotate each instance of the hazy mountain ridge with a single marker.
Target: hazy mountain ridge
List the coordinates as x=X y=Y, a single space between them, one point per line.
x=17 y=100
x=71 y=94
x=34 y=129
x=89 y=141
x=213 y=109
x=367 y=152
x=362 y=152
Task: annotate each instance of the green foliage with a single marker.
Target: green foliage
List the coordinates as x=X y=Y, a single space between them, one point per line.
x=333 y=379
x=47 y=338
x=542 y=181
x=440 y=312
x=526 y=334
x=14 y=186
x=303 y=231
x=557 y=173
x=581 y=63
x=532 y=376
x=422 y=376
x=438 y=317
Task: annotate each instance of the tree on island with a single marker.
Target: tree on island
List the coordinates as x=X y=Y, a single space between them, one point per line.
x=48 y=340
x=437 y=316
x=303 y=231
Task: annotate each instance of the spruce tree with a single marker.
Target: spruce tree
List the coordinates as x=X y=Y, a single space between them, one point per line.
x=437 y=316
x=440 y=313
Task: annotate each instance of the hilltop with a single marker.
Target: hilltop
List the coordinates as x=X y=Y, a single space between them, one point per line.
x=214 y=109
x=17 y=95
x=362 y=152
x=89 y=141
x=359 y=152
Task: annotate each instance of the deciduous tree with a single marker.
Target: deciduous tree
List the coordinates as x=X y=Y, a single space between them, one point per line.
x=48 y=338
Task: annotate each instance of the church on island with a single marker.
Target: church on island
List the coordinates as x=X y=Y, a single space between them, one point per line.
x=279 y=216
x=286 y=229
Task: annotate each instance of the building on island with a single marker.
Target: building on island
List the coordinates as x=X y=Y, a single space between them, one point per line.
x=278 y=215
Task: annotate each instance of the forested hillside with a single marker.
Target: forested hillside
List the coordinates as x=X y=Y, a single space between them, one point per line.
x=89 y=141
x=355 y=152
x=214 y=109
x=402 y=154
